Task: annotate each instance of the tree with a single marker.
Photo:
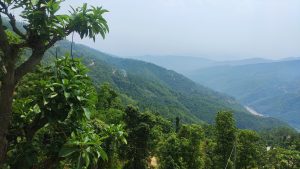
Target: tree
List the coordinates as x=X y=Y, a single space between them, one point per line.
x=108 y=98
x=182 y=150
x=225 y=136
x=52 y=114
x=44 y=27
x=138 y=129
x=191 y=137
x=170 y=156
x=283 y=158
x=210 y=157
x=248 y=149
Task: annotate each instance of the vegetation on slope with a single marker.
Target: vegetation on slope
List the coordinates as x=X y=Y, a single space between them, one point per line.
x=63 y=121
x=163 y=91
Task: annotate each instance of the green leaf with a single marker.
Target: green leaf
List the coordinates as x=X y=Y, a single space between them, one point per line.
x=87 y=113
x=45 y=102
x=67 y=95
x=73 y=69
x=79 y=98
x=65 y=81
x=36 y=109
x=86 y=159
x=34 y=2
x=103 y=154
x=52 y=95
x=124 y=140
x=79 y=162
x=67 y=151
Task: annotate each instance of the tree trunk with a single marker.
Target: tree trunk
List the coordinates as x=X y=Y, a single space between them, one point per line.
x=6 y=99
x=9 y=81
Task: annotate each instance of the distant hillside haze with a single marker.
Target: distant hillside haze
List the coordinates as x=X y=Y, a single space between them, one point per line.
x=181 y=64
x=272 y=89
x=186 y=64
x=163 y=91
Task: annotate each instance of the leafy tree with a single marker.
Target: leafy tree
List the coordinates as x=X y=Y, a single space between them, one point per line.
x=248 y=149
x=145 y=130
x=280 y=136
x=43 y=29
x=115 y=137
x=108 y=98
x=225 y=136
x=182 y=150
x=170 y=155
x=191 y=137
x=210 y=158
x=160 y=127
x=82 y=150
x=138 y=129
x=52 y=113
x=109 y=105
x=283 y=158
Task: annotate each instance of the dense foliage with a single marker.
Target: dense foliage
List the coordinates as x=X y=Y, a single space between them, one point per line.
x=53 y=119
x=44 y=25
x=61 y=120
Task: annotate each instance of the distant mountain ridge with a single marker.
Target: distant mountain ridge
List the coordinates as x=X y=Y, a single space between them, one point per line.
x=163 y=91
x=188 y=64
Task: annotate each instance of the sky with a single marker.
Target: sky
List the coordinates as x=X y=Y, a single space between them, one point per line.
x=214 y=29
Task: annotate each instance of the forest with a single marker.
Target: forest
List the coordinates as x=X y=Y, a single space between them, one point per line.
x=61 y=120
x=54 y=115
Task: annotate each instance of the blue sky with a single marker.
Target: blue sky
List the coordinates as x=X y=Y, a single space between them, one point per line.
x=216 y=29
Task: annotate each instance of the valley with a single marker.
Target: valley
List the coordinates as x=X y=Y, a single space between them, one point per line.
x=270 y=87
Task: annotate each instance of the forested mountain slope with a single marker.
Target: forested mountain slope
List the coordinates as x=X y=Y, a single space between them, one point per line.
x=161 y=90
x=270 y=88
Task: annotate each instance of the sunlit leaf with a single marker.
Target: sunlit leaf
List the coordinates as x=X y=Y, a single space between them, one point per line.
x=87 y=112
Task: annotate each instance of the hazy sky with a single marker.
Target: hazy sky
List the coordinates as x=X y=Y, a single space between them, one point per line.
x=216 y=29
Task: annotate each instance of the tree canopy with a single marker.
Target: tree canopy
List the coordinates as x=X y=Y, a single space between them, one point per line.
x=43 y=27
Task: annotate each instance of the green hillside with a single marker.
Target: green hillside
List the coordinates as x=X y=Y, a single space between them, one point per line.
x=270 y=88
x=163 y=91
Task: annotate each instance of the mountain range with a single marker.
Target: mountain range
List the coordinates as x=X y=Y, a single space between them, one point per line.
x=188 y=64
x=163 y=91
x=272 y=89
x=265 y=87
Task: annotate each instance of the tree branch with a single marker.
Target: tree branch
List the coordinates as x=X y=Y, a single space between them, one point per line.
x=12 y=20
x=3 y=6
x=53 y=41
x=36 y=57
x=32 y=128
x=29 y=64
x=4 y=45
